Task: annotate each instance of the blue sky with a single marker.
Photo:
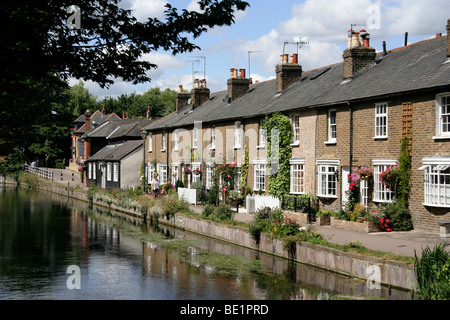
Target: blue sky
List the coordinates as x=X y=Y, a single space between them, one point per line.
x=267 y=24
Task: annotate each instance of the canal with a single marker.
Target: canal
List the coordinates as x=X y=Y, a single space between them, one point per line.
x=53 y=247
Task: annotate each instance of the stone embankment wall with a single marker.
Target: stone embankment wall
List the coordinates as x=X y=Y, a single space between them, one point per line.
x=392 y=273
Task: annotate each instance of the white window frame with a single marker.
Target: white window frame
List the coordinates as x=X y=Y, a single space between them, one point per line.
x=440 y=133
x=295 y=122
x=150 y=142
x=108 y=171
x=381 y=120
x=436 y=181
x=116 y=172
x=209 y=176
x=381 y=193
x=237 y=135
x=163 y=142
x=174 y=173
x=151 y=172
x=332 y=127
x=94 y=171
x=195 y=177
x=259 y=175
x=213 y=138
x=90 y=170
x=327 y=182
x=364 y=193
x=262 y=135
x=176 y=137
x=297 y=184
x=195 y=138
x=162 y=171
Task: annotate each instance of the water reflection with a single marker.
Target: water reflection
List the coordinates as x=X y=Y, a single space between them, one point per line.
x=42 y=234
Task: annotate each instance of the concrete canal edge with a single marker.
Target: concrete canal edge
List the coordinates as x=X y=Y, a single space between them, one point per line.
x=396 y=274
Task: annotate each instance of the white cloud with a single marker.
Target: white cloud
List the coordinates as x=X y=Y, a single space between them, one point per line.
x=325 y=20
x=144 y=9
x=416 y=17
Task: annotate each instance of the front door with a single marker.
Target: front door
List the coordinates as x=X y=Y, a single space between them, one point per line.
x=103 y=170
x=344 y=184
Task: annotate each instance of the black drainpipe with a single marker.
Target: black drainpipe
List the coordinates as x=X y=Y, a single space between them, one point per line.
x=351 y=139
x=167 y=153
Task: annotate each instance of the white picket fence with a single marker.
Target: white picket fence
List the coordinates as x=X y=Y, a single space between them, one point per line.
x=190 y=195
x=255 y=202
x=42 y=172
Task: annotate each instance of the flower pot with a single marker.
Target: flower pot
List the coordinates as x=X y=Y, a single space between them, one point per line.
x=323 y=220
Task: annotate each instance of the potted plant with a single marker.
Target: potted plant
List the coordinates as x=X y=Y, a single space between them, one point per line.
x=323 y=217
x=389 y=177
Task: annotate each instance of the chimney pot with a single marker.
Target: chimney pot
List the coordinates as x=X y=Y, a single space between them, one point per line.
x=237 y=86
x=438 y=35
x=295 y=58
x=180 y=88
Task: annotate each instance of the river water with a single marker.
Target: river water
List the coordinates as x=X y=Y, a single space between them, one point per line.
x=53 y=247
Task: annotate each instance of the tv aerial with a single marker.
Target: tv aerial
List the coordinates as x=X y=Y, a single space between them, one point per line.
x=299 y=44
x=197 y=60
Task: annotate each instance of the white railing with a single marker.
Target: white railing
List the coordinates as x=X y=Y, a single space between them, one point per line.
x=256 y=202
x=42 y=172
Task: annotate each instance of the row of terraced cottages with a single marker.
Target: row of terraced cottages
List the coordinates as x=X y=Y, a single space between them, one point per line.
x=353 y=113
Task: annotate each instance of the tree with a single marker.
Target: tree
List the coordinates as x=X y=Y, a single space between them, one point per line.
x=80 y=99
x=109 y=42
x=39 y=52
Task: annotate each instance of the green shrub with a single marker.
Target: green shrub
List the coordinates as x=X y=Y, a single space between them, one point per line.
x=432 y=272
x=208 y=211
x=179 y=184
x=213 y=195
x=171 y=205
x=154 y=213
x=30 y=180
x=223 y=212
x=395 y=217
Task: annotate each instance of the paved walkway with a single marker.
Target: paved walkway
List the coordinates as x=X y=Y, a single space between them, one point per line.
x=67 y=177
x=404 y=243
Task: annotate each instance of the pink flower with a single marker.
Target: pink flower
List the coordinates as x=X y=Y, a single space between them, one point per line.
x=229 y=176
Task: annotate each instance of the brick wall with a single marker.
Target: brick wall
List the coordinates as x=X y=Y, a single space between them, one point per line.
x=339 y=150
x=424 y=128
x=307 y=147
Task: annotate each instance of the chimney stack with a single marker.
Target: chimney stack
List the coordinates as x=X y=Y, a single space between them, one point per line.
x=358 y=55
x=182 y=98
x=87 y=116
x=200 y=93
x=448 y=39
x=288 y=72
x=237 y=85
